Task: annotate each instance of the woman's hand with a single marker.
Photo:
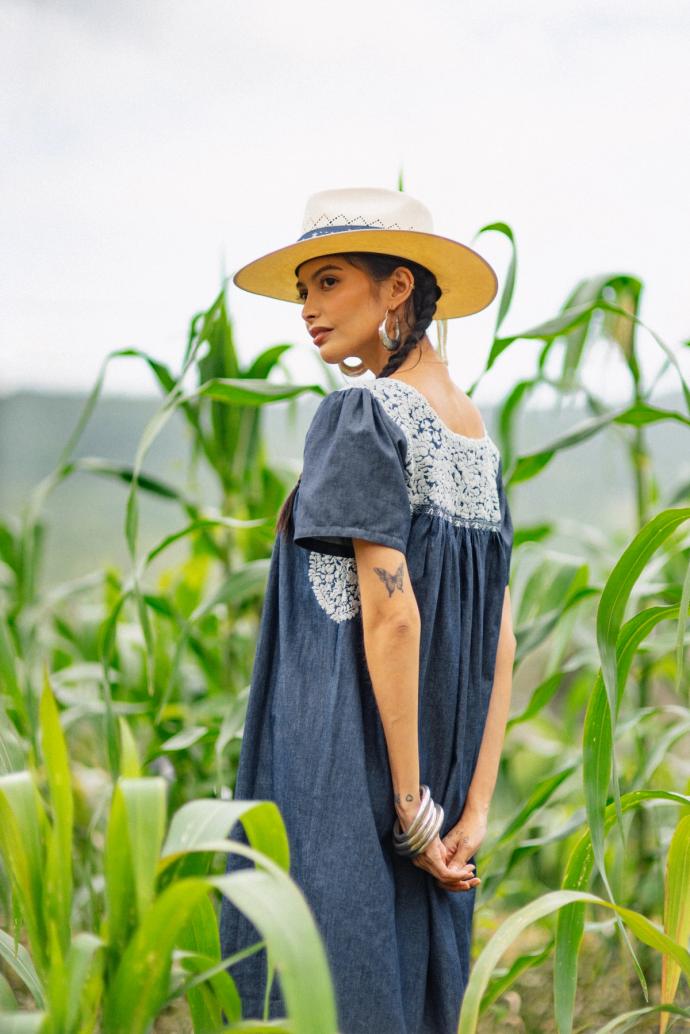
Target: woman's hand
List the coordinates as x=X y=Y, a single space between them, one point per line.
x=465 y=839
x=435 y=860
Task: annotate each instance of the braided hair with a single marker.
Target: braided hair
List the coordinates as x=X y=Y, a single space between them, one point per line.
x=422 y=303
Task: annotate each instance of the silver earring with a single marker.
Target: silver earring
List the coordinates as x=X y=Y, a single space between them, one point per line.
x=390 y=344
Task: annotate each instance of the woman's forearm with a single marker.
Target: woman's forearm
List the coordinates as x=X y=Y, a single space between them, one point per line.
x=392 y=654
x=483 y=782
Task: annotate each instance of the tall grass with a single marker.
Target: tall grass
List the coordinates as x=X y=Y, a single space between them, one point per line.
x=123 y=700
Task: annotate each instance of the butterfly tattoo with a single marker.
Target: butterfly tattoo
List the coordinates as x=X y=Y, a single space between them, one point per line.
x=391 y=581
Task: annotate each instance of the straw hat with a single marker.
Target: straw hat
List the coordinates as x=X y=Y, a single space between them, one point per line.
x=374 y=219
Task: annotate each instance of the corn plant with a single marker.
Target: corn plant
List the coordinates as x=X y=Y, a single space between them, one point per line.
x=594 y=783
x=158 y=940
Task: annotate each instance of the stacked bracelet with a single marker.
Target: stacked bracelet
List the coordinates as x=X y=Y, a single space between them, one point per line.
x=423 y=828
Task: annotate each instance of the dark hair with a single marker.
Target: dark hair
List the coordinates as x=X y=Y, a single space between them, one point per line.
x=422 y=302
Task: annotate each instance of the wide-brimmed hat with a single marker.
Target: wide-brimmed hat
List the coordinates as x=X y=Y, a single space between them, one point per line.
x=378 y=220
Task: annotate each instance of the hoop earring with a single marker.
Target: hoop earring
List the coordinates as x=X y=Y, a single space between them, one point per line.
x=390 y=344
x=352 y=371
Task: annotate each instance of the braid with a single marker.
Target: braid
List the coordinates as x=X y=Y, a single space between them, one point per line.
x=424 y=297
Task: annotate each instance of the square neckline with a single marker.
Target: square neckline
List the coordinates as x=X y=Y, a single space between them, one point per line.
x=441 y=423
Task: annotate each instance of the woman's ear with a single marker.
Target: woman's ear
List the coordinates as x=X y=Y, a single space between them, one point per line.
x=402 y=284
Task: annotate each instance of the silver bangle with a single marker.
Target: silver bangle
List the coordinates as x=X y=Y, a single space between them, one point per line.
x=423 y=828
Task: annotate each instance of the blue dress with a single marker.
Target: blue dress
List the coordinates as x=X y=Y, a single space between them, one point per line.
x=379 y=464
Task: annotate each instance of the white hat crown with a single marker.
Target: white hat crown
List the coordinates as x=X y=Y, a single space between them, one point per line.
x=363 y=208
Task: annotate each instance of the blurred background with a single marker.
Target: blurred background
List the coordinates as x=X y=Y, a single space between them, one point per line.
x=152 y=148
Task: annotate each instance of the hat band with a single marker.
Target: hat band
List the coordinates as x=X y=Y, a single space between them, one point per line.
x=335 y=229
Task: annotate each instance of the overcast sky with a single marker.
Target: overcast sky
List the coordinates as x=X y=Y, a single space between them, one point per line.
x=149 y=147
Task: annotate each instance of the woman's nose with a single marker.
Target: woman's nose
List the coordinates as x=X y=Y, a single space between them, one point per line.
x=308 y=311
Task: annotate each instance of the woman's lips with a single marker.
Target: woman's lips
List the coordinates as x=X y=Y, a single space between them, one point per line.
x=320 y=338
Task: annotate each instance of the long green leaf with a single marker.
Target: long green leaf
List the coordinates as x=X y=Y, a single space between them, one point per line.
x=19 y=960
x=571 y=919
x=139 y=986
x=529 y=465
x=629 y=1020
x=643 y=929
x=245 y=392
x=676 y=908
x=22 y=831
x=58 y=897
x=145 y=809
x=200 y=822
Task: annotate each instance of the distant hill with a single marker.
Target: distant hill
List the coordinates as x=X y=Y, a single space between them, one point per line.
x=589 y=483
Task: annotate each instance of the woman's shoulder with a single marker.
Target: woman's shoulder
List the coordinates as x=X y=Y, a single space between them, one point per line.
x=355 y=411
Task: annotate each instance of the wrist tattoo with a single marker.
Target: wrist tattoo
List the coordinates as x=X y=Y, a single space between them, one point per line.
x=408 y=798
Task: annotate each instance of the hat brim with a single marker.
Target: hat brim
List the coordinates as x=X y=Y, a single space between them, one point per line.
x=466 y=279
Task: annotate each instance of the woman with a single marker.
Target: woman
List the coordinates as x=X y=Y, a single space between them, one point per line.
x=381 y=684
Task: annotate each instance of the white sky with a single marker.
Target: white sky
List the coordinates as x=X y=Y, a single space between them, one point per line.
x=149 y=146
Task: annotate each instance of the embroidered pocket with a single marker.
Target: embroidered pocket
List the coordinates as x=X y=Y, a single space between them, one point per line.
x=335 y=585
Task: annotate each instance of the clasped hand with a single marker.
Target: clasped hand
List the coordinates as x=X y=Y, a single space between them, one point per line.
x=447 y=859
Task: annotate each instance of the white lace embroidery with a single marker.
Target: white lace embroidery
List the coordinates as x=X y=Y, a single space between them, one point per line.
x=448 y=475
x=335 y=584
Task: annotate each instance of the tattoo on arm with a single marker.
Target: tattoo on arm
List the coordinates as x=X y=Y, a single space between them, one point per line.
x=408 y=797
x=391 y=581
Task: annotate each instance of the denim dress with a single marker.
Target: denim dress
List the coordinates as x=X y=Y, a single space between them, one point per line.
x=379 y=464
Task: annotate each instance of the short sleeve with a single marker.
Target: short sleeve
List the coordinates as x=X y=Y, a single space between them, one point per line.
x=353 y=481
x=506 y=522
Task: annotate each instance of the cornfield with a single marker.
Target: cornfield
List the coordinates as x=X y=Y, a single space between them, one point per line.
x=123 y=696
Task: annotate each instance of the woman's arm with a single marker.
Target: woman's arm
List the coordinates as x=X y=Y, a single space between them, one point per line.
x=468 y=833
x=391 y=630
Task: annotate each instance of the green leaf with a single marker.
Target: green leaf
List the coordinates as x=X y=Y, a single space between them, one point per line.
x=676 y=908
x=145 y=809
x=199 y=822
x=185 y=739
x=266 y=361
x=294 y=941
x=58 y=897
x=682 y=625
x=571 y=920
x=22 y=829
x=8 y=1003
x=528 y=466
x=628 y=1020
x=500 y=984
x=613 y=602
x=200 y=935
x=19 y=960
x=23 y=1022
x=84 y=979
x=246 y=392
x=643 y=929
x=139 y=986
x=120 y=895
x=509 y=279
x=130 y=765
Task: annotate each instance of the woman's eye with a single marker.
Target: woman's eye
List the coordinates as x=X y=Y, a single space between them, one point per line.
x=301 y=295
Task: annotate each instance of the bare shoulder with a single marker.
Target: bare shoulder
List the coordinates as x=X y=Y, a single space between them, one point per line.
x=468 y=413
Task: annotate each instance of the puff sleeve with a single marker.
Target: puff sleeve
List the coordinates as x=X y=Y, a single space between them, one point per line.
x=506 y=523
x=353 y=482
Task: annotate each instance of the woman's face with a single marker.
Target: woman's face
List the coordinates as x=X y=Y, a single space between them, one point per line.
x=349 y=305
